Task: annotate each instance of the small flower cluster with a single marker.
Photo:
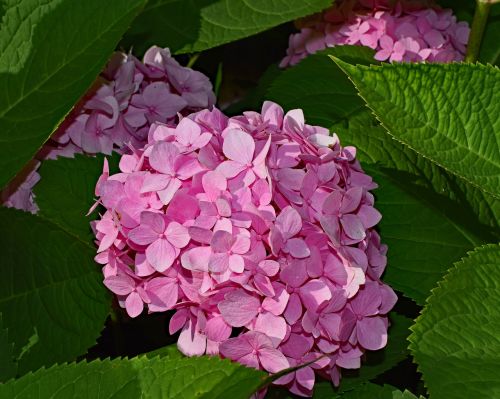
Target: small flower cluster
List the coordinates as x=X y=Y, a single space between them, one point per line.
x=118 y=111
x=409 y=31
x=258 y=230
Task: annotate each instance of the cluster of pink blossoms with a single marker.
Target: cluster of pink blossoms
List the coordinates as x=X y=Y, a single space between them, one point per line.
x=258 y=230
x=409 y=31
x=118 y=111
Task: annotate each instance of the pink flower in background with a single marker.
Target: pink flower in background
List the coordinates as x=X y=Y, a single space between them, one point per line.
x=406 y=31
x=127 y=98
x=258 y=232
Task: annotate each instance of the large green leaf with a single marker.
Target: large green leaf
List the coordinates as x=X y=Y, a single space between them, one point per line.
x=447 y=113
x=376 y=362
x=456 y=340
x=66 y=191
x=52 y=298
x=8 y=367
x=50 y=52
x=199 y=377
x=195 y=25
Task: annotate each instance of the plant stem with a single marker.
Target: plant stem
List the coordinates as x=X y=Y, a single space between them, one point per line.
x=192 y=60
x=477 y=30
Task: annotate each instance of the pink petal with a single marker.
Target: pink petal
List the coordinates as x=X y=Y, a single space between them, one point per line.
x=218 y=262
x=330 y=225
x=305 y=377
x=351 y=200
x=187 y=131
x=297 y=247
x=217 y=329
x=241 y=245
x=213 y=183
x=272 y=360
x=236 y=263
x=289 y=222
x=273 y=326
x=142 y=235
x=161 y=254
x=331 y=324
x=277 y=304
x=367 y=300
x=230 y=169
x=294 y=273
x=293 y=311
x=188 y=168
x=177 y=235
x=269 y=267
x=134 y=304
x=222 y=241
x=353 y=227
x=120 y=285
x=239 y=146
x=191 y=342
x=238 y=308
x=167 y=194
x=369 y=216
x=163 y=157
x=155 y=182
x=235 y=348
x=314 y=293
x=372 y=333
x=264 y=285
x=196 y=259
x=297 y=345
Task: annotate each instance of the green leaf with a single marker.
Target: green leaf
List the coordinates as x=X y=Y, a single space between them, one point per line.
x=447 y=113
x=8 y=366
x=199 y=377
x=423 y=243
x=51 y=294
x=65 y=192
x=468 y=204
x=319 y=88
x=456 y=340
x=50 y=52
x=376 y=362
x=195 y=25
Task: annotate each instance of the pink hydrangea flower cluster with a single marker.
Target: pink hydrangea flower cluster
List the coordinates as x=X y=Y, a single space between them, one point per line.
x=127 y=98
x=409 y=31
x=258 y=230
